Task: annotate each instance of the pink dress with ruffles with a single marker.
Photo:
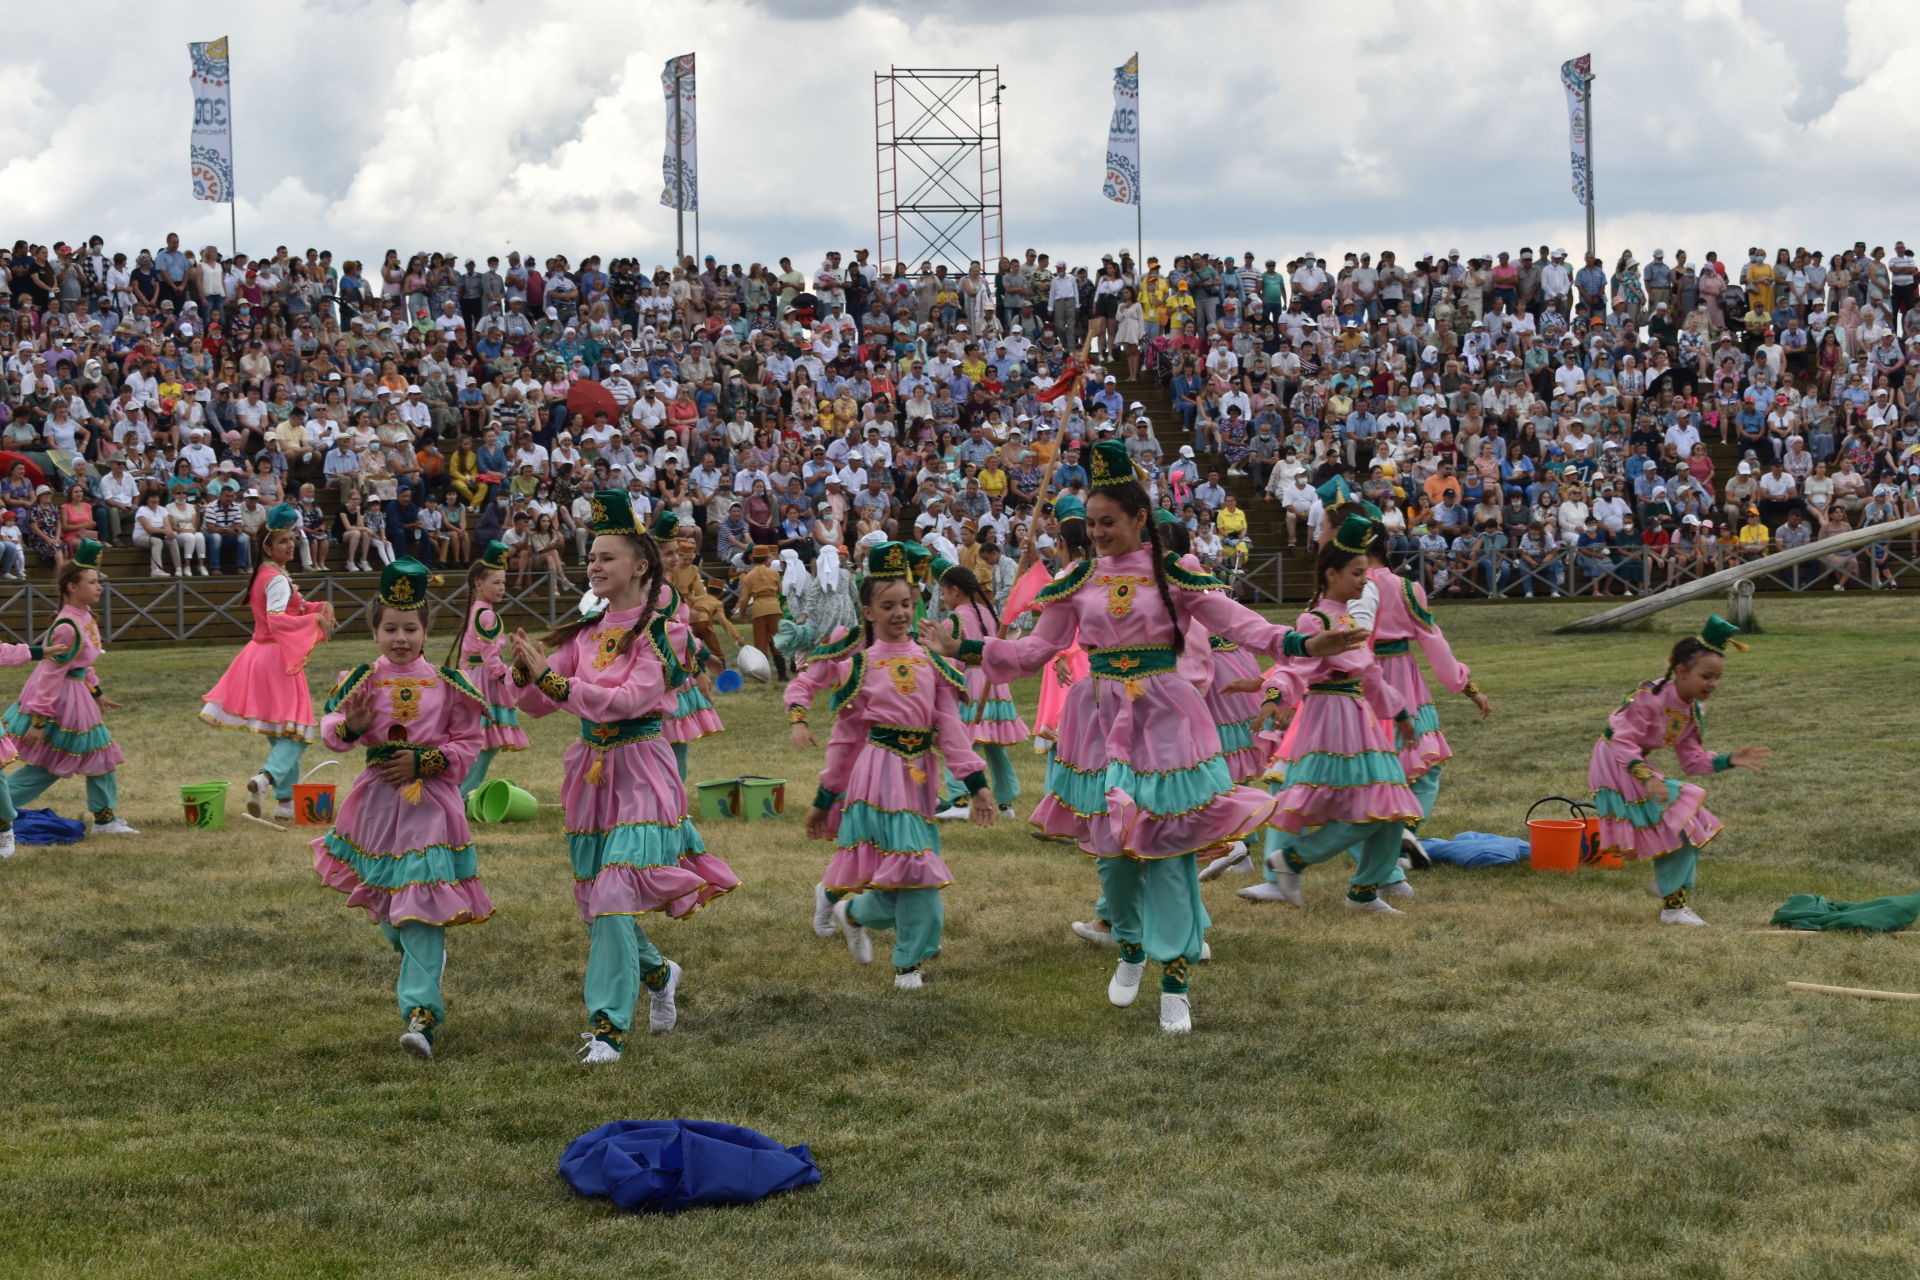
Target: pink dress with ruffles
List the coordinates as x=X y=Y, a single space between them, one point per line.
x=12 y=655
x=1402 y=619
x=1137 y=769
x=1340 y=763
x=265 y=689
x=999 y=721
x=631 y=844
x=901 y=706
x=693 y=716
x=1647 y=819
x=403 y=859
x=481 y=663
x=61 y=690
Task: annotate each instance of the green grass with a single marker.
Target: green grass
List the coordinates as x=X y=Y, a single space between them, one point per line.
x=1524 y=1077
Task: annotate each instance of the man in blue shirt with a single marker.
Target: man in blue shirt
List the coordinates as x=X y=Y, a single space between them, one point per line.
x=173 y=266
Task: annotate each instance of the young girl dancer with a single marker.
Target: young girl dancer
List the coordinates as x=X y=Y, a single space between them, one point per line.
x=693 y=716
x=400 y=848
x=1070 y=668
x=897 y=705
x=11 y=655
x=264 y=689
x=632 y=848
x=988 y=711
x=1344 y=785
x=476 y=654
x=56 y=720
x=1137 y=778
x=821 y=671
x=1644 y=814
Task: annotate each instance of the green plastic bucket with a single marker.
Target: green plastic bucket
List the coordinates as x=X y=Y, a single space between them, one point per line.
x=205 y=804
x=719 y=799
x=761 y=798
x=498 y=800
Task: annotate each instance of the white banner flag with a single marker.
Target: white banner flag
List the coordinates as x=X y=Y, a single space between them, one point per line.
x=1123 y=135
x=210 y=162
x=1574 y=75
x=681 y=168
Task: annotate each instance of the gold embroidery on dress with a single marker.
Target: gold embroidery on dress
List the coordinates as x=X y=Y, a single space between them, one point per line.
x=1121 y=588
x=606 y=644
x=403 y=695
x=1676 y=725
x=901 y=670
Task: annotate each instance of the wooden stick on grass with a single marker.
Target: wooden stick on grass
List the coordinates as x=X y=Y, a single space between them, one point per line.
x=1862 y=992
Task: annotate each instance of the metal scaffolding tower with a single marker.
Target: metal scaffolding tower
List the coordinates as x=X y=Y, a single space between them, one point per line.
x=937 y=166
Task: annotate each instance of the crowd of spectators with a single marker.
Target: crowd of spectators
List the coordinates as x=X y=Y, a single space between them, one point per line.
x=1524 y=424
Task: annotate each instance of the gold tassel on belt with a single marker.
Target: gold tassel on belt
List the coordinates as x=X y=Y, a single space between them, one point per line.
x=594 y=775
x=412 y=792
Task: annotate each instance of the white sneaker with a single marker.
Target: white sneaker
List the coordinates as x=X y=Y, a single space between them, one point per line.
x=1264 y=891
x=1682 y=915
x=414 y=1040
x=1176 y=1013
x=6 y=843
x=1097 y=932
x=1379 y=906
x=158 y=573
x=595 y=1051
x=909 y=981
x=259 y=788
x=118 y=827
x=822 y=912
x=1206 y=952
x=1416 y=852
x=1290 y=883
x=1006 y=811
x=1235 y=859
x=661 y=1011
x=1124 y=989
x=857 y=940
x=1398 y=889
x=203 y=571
x=283 y=811
x=954 y=812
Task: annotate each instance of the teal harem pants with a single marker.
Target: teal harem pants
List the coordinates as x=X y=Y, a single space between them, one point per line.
x=1154 y=907
x=620 y=960
x=423 y=955
x=916 y=916
x=26 y=784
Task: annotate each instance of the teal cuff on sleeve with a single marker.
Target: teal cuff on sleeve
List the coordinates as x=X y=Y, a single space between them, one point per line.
x=1295 y=645
x=970 y=650
x=1723 y=762
x=975 y=782
x=1272 y=698
x=824 y=799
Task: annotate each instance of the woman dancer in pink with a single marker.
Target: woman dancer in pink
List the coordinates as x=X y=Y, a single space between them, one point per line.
x=1137 y=778
x=1344 y=785
x=988 y=711
x=897 y=706
x=264 y=690
x=632 y=848
x=1644 y=815
x=476 y=655
x=56 y=720
x=1070 y=667
x=400 y=848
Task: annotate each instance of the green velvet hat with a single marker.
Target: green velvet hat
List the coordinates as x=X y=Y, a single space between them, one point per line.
x=495 y=555
x=404 y=583
x=282 y=515
x=613 y=513
x=938 y=569
x=1068 y=507
x=665 y=526
x=919 y=558
x=87 y=554
x=1163 y=516
x=889 y=560
x=1353 y=535
x=1718 y=633
x=1109 y=464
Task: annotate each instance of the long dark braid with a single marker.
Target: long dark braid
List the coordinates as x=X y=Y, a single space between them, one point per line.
x=1160 y=581
x=967 y=583
x=474 y=574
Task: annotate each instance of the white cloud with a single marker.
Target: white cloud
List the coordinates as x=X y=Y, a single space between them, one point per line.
x=475 y=124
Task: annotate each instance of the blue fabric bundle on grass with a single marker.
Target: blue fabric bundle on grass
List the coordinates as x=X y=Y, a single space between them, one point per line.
x=664 y=1166
x=1473 y=849
x=44 y=826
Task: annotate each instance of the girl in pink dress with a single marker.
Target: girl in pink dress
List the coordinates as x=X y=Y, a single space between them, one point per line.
x=264 y=690
x=476 y=655
x=898 y=704
x=632 y=849
x=11 y=655
x=400 y=848
x=1070 y=667
x=822 y=670
x=1344 y=784
x=1644 y=814
x=693 y=716
x=1138 y=779
x=56 y=720
x=988 y=711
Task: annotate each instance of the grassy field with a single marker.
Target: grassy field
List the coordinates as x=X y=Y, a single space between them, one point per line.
x=1524 y=1077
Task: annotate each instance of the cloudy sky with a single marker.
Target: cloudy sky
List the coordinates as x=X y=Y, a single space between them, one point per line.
x=1271 y=125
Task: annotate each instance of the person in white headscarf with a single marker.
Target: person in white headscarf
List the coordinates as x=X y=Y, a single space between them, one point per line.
x=793 y=578
x=830 y=599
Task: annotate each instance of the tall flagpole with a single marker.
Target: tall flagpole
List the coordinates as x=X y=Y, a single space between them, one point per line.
x=233 y=193
x=1586 y=98
x=1139 y=222
x=679 y=176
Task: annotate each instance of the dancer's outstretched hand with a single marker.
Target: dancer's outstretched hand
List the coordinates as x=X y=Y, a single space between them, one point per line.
x=941 y=641
x=801 y=738
x=1328 y=643
x=1246 y=684
x=1479 y=700
x=817 y=828
x=1754 y=758
x=981 y=808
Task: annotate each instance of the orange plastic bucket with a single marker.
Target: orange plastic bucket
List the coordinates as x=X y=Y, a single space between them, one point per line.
x=1593 y=857
x=1557 y=844
x=313 y=804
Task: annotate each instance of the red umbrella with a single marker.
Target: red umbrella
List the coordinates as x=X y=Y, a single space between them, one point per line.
x=8 y=458
x=587 y=397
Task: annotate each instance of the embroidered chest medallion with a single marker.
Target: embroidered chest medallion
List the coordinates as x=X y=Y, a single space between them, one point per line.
x=1676 y=725
x=606 y=645
x=1121 y=590
x=901 y=672
x=403 y=696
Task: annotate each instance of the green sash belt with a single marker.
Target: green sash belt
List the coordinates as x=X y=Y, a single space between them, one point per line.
x=618 y=733
x=1392 y=648
x=903 y=741
x=1130 y=661
x=1350 y=688
x=78 y=673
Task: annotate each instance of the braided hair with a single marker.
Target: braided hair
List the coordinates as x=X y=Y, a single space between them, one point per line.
x=475 y=572
x=648 y=553
x=967 y=583
x=1686 y=650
